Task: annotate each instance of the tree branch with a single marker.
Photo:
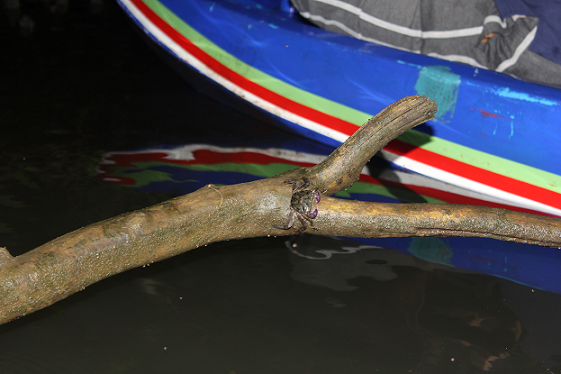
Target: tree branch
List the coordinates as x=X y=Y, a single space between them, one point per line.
x=342 y=168
x=381 y=220
x=72 y=262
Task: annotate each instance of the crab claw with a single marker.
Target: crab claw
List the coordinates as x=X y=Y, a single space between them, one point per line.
x=317 y=196
x=313 y=214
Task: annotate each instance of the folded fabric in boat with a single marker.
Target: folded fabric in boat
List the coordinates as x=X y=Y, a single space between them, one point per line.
x=547 y=42
x=470 y=32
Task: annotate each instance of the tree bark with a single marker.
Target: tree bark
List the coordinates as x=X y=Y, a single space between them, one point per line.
x=72 y=262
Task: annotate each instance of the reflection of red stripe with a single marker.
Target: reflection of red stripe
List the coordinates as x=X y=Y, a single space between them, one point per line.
x=459 y=168
x=207 y=157
x=202 y=157
x=483 y=176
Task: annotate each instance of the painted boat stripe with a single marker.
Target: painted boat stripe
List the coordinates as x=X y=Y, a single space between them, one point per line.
x=498 y=181
x=453 y=198
x=339 y=127
x=485 y=161
x=458 y=180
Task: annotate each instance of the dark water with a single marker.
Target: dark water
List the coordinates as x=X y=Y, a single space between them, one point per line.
x=79 y=82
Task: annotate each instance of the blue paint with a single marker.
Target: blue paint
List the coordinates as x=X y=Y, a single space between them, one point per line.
x=442 y=86
x=506 y=92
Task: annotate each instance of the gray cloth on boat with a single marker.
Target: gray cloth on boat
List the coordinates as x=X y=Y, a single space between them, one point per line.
x=470 y=32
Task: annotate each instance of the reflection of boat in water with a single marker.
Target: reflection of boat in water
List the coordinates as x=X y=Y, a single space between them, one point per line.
x=223 y=159
x=494 y=134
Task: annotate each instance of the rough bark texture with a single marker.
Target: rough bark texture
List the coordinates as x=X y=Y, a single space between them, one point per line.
x=71 y=262
x=381 y=220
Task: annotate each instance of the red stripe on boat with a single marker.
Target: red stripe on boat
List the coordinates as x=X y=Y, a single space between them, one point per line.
x=474 y=173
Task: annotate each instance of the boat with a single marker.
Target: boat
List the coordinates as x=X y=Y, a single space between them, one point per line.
x=493 y=134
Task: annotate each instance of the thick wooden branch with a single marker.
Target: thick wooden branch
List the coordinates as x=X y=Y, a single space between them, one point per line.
x=72 y=262
x=381 y=220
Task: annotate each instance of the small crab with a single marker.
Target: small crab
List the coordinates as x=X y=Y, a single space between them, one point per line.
x=302 y=205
